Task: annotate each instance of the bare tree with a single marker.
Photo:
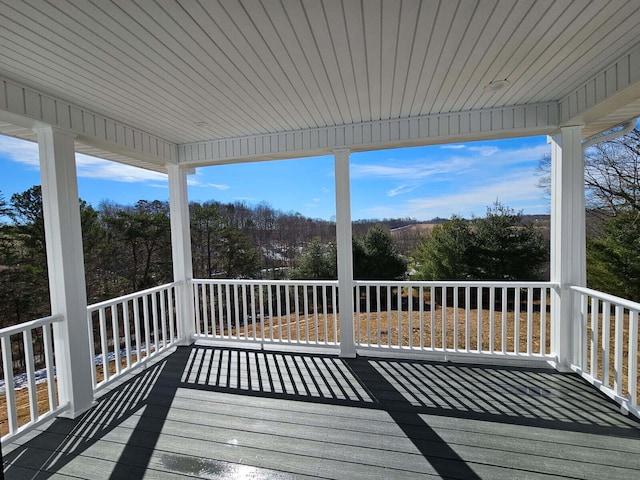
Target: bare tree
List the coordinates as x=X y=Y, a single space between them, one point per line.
x=612 y=174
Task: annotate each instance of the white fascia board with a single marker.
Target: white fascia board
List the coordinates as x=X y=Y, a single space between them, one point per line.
x=612 y=88
x=29 y=108
x=486 y=124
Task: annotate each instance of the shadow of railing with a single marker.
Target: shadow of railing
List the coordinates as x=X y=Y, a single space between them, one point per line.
x=64 y=439
x=408 y=391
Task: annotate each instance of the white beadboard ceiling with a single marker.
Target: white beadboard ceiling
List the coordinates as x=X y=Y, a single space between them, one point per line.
x=250 y=67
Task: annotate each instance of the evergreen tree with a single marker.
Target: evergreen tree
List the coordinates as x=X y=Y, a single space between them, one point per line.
x=447 y=253
x=317 y=262
x=505 y=248
x=206 y=225
x=375 y=256
x=498 y=246
x=26 y=213
x=613 y=259
x=24 y=288
x=238 y=257
x=139 y=245
x=219 y=246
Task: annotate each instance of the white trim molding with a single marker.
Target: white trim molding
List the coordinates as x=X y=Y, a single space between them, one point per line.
x=29 y=108
x=523 y=120
x=610 y=89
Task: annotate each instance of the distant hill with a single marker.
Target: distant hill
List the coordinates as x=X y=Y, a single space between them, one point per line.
x=416 y=228
x=408 y=235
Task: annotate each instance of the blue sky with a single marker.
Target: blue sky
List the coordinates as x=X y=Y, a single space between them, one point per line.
x=419 y=182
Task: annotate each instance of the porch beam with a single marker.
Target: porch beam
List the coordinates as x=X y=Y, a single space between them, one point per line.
x=345 y=253
x=483 y=124
x=23 y=106
x=568 y=239
x=65 y=263
x=181 y=250
x=604 y=98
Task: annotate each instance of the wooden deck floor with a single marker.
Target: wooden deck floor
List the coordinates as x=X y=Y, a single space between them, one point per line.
x=220 y=413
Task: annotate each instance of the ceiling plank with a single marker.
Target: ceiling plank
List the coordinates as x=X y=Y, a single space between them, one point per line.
x=189 y=71
x=445 y=15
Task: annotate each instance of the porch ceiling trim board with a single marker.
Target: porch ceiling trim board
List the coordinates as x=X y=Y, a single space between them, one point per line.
x=28 y=108
x=607 y=99
x=513 y=121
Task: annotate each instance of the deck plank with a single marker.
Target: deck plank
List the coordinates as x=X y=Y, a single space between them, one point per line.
x=209 y=412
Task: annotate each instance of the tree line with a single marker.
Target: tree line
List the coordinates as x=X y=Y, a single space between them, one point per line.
x=128 y=248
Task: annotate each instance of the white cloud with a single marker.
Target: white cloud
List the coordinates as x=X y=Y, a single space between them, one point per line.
x=194 y=181
x=411 y=170
x=484 y=150
x=514 y=190
x=91 y=167
x=511 y=191
x=478 y=159
x=217 y=186
x=26 y=153
x=315 y=203
x=401 y=189
x=530 y=153
x=20 y=151
x=527 y=153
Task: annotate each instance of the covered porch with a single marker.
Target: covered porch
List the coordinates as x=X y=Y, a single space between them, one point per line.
x=335 y=379
x=219 y=412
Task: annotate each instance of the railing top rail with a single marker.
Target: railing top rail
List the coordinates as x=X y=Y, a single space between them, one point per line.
x=21 y=327
x=225 y=281
x=130 y=296
x=392 y=283
x=460 y=283
x=608 y=298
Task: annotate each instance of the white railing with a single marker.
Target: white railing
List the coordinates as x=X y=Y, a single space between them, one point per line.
x=607 y=345
x=487 y=318
x=285 y=312
x=490 y=319
x=30 y=389
x=130 y=329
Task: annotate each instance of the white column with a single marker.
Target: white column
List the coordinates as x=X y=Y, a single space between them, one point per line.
x=345 y=253
x=65 y=262
x=568 y=239
x=181 y=250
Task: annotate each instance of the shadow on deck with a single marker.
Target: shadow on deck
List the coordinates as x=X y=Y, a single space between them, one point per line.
x=217 y=413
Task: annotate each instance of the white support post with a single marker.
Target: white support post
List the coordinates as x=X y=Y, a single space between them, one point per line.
x=65 y=261
x=181 y=250
x=345 y=253
x=568 y=241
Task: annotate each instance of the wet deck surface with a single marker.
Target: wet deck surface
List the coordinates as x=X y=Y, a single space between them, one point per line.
x=221 y=413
